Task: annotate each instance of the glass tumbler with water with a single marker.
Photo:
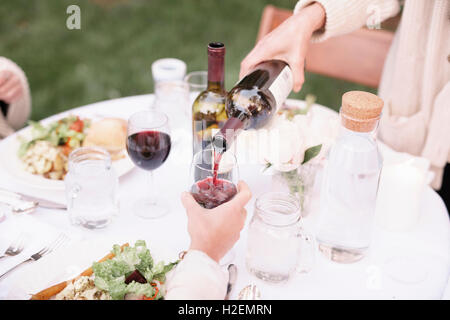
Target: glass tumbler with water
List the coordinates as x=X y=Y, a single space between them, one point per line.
x=91 y=188
x=350 y=183
x=277 y=245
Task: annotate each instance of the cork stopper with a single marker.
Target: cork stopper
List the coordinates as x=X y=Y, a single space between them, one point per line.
x=360 y=111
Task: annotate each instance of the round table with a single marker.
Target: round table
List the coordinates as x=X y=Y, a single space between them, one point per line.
x=428 y=242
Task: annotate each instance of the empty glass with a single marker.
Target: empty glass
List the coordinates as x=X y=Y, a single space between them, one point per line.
x=172 y=98
x=277 y=245
x=197 y=82
x=91 y=188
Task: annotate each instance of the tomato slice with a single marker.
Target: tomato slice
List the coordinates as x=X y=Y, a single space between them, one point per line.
x=156 y=292
x=77 y=125
x=66 y=150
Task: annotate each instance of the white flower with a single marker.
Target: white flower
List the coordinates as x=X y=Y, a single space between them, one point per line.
x=283 y=142
x=318 y=127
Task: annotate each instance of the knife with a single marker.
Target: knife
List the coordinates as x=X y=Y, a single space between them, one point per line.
x=232 y=276
x=40 y=202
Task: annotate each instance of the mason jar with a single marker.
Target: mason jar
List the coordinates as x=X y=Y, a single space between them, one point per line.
x=277 y=244
x=91 y=188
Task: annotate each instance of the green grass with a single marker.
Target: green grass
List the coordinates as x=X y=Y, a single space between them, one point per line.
x=111 y=55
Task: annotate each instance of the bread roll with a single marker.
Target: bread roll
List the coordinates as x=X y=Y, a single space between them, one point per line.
x=110 y=134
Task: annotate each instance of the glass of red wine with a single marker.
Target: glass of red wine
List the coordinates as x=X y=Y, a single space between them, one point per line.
x=148 y=145
x=213 y=177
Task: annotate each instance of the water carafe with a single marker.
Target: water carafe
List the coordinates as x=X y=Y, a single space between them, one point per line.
x=350 y=182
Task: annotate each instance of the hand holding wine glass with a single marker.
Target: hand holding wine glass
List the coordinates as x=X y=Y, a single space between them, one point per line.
x=148 y=145
x=214 y=177
x=215 y=231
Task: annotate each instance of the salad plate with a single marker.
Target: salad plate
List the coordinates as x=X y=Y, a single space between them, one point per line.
x=69 y=262
x=14 y=165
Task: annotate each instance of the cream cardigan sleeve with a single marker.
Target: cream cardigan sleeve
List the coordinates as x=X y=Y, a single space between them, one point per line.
x=19 y=110
x=344 y=16
x=197 y=277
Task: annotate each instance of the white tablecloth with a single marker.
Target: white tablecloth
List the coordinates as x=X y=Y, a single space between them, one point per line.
x=427 y=246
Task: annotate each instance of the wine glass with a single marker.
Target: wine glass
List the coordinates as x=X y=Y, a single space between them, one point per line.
x=213 y=182
x=213 y=178
x=148 y=145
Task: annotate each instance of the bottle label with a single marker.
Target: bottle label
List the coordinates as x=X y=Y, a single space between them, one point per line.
x=282 y=86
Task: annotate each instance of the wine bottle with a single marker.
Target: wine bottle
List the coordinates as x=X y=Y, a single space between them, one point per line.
x=254 y=100
x=208 y=110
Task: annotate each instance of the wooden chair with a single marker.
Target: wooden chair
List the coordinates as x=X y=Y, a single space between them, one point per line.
x=356 y=57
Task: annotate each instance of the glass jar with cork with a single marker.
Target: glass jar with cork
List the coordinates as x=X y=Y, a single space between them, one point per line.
x=350 y=183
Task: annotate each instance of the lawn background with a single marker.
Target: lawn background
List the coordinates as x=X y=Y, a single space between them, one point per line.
x=111 y=55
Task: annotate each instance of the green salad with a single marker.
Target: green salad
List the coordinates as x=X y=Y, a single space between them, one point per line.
x=67 y=132
x=132 y=271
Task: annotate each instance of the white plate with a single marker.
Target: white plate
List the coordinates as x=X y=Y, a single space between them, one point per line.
x=67 y=263
x=13 y=165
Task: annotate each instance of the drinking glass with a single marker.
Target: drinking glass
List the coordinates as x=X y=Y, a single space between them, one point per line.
x=277 y=245
x=172 y=98
x=213 y=182
x=148 y=145
x=91 y=188
x=197 y=82
x=212 y=185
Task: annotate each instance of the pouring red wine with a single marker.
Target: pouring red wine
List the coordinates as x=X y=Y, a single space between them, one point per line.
x=214 y=178
x=254 y=100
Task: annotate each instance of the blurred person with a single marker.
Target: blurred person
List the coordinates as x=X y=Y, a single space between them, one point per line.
x=213 y=233
x=415 y=83
x=15 y=100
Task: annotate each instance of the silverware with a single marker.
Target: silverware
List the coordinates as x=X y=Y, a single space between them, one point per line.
x=62 y=238
x=37 y=201
x=19 y=206
x=250 y=292
x=15 y=248
x=232 y=276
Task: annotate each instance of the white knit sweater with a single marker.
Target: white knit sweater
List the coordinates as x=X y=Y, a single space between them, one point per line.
x=19 y=110
x=415 y=85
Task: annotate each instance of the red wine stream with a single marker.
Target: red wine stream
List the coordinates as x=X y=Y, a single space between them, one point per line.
x=217 y=157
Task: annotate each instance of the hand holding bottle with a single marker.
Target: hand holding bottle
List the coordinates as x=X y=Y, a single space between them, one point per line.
x=288 y=42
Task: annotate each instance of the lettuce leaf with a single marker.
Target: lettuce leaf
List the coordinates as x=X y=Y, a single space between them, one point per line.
x=141 y=289
x=110 y=275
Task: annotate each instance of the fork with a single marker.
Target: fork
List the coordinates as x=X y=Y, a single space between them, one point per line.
x=15 y=248
x=62 y=238
x=250 y=292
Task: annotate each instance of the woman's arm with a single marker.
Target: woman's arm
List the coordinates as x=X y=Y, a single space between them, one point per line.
x=314 y=20
x=197 y=277
x=344 y=16
x=15 y=92
x=288 y=42
x=213 y=233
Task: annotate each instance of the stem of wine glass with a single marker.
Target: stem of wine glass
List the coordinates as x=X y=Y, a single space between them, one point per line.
x=151 y=187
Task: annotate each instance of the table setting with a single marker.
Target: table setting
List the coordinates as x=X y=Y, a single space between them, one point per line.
x=112 y=194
